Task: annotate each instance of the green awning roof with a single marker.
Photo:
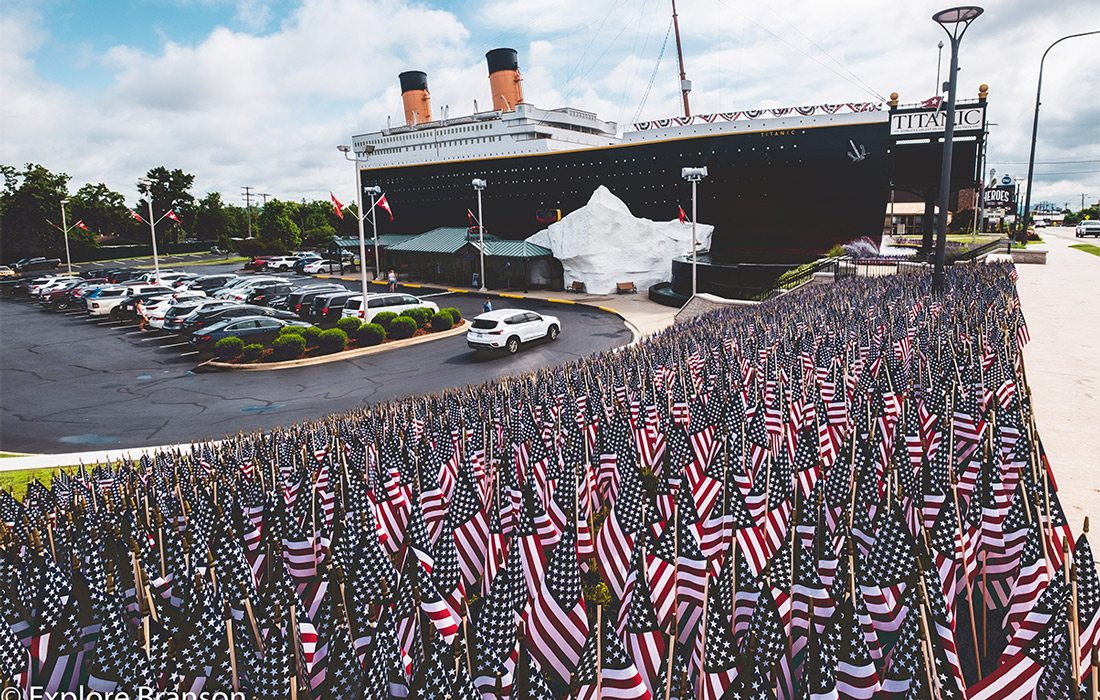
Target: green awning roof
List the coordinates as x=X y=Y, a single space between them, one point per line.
x=449 y=241
x=385 y=240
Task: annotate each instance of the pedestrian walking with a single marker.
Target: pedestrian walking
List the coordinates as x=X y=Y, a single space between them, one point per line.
x=392 y=279
x=143 y=317
x=487 y=306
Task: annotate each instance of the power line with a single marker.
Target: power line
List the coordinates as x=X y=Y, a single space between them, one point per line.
x=1046 y=162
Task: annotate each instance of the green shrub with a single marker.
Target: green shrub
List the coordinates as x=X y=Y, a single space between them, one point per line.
x=228 y=348
x=293 y=330
x=442 y=321
x=836 y=251
x=420 y=314
x=349 y=324
x=456 y=315
x=252 y=352
x=383 y=318
x=370 y=334
x=289 y=346
x=333 y=340
x=402 y=327
x=312 y=334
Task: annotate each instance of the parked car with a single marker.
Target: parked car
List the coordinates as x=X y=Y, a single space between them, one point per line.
x=329 y=307
x=305 y=259
x=51 y=298
x=157 y=308
x=106 y=303
x=31 y=264
x=1088 y=228
x=36 y=289
x=262 y=294
x=205 y=316
x=240 y=289
x=74 y=296
x=377 y=303
x=283 y=263
x=6 y=271
x=127 y=308
x=326 y=266
x=305 y=303
x=250 y=329
x=209 y=283
x=293 y=300
x=258 y=262
x=176 y=316
x=507 y=329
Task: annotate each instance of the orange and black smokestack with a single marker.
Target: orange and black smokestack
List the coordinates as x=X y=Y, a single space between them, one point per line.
x=415 y=97
x=505 y=81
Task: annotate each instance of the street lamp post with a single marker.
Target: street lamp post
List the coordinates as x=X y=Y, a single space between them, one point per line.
x=374 y=191
x=360 y=215
x=1035 y=122
x=148 y=182
x=65 y=229
x=694 y=175
x=479 y=184
x=955 y=21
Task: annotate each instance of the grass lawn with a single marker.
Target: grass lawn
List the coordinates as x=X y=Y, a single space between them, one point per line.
x=16 y=481
x=1088 y=248
x=219 y=261
x=9 y=454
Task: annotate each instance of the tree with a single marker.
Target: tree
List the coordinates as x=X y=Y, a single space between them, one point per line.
x=276 y=226
x=30 y=213
x=104 y=211
x=214 y=221
x=170 y=190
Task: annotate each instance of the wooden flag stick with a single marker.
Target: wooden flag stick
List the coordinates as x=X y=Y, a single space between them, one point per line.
x=599 y=651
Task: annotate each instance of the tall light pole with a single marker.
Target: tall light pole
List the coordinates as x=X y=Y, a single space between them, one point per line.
x=360 y=215
x=694 y=175
x=374 y=191
x=148 y=182
x=65 y=229
x=1035 y=122
x=939 y=62
x=955 y=21
x=479 y=184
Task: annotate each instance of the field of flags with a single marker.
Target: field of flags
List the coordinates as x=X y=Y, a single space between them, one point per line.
x=840 y=493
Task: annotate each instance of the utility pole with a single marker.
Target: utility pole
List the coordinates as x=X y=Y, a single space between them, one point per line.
x=265 y=195
x=248 y=206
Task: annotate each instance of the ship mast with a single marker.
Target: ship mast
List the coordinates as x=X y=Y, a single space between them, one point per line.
x=685 y=84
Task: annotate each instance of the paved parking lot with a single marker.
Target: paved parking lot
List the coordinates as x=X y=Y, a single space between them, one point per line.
x=69 y=383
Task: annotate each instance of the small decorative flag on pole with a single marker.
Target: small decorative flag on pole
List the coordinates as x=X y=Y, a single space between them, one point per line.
x=172 y=215
x=82 y=226
x=470 y=218
x=683 y=215
x=136 y=216
x=336 y=206
x=383 y=204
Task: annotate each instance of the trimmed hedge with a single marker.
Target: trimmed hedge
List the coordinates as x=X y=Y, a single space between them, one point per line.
x=228 y=348
x=292 y=330
x=289 y=346
x=349 y=324
x=420 y=314
x=252 y=352
x=456 y=315
x=370 y=334
x=332 y=340
x=312 y=335
x=442 y=321
x=383 y=318
x=402 y=327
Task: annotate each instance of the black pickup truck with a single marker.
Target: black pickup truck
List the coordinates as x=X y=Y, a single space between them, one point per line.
x=30 y=264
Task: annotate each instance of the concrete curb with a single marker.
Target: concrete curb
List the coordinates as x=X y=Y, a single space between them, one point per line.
x=462 y=327
x=635 y=333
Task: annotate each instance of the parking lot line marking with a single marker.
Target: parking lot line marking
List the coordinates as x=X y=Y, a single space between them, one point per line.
x=176 y=345
x=186 y=354
x=437 y=294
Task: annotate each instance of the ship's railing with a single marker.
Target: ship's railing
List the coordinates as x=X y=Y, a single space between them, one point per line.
x=975 y=252
x=800 y=276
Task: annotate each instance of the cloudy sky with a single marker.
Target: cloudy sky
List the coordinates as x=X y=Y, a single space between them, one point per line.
x=260 y=92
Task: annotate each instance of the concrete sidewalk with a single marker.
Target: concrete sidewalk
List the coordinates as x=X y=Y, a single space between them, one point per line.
x=1063 y=367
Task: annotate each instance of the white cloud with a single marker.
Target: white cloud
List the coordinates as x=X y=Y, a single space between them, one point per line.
x=264 y=102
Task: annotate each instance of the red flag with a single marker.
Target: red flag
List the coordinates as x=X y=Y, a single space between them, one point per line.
x=81 y=225
x=470 y=218
x=172 y=215
x=136 y=216
x=336 y=206
x=683 y=215
x=932 y=102
x=383 y=204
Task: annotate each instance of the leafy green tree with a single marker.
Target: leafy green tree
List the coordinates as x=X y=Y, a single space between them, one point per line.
x=214 y=221
x=276 y=225
x=170 y=190
x=104 y=211
x=30 y=213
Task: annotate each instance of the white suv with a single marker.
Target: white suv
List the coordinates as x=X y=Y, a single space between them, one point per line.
x=377 y=303
x=38 y=288
x=111 y=297
x=283 y=262
x=507 y=329
x=239 y=291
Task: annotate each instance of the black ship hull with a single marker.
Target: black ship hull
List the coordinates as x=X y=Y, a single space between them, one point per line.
x=772 y=196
